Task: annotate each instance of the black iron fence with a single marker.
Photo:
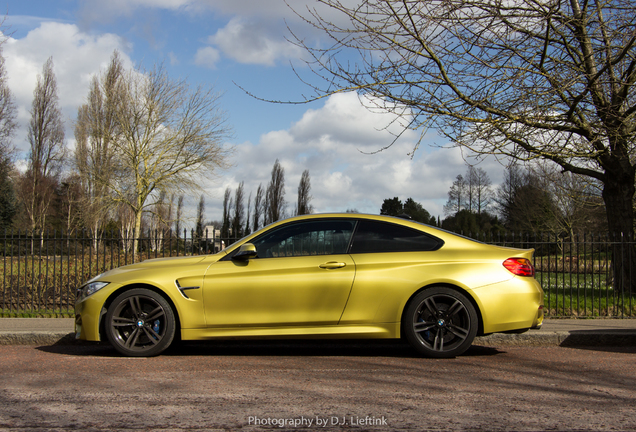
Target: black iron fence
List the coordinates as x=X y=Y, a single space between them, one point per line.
x=41 y=272
x=578 y=273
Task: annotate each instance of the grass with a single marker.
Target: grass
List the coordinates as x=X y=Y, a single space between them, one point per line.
x=584 y=295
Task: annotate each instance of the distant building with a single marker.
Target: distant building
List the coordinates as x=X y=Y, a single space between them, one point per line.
x=213 y=237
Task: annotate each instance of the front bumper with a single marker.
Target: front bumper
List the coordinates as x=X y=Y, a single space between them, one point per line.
x=88 y=314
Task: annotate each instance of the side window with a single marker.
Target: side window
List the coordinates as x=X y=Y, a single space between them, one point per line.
x=374 y=237
x=316 y=237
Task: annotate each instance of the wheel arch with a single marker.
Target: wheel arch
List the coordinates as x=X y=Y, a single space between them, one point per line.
x=114 y=294
x=480 y=319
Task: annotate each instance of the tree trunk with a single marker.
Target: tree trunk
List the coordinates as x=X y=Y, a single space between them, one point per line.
x=136 y=234
x=618 y=195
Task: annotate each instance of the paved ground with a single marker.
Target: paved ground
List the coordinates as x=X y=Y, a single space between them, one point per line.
x=555 y=332
x=257 y=386
x=573 y=375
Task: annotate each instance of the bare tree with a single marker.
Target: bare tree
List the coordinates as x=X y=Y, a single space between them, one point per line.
x=171 y=214
x=247 y=229
x=7 y=127
x=303 y=205
x=524 y=203
x=577 y=199
x=69 y=195
x=480 y=193
x=258 y=208
x=239 y=211
x=470 y=192
x=177 y=221
x=553 y=79
x=456 y=196
x=95 y=130
x=275 y=194
x=159 y=221
x=168 y=137
x=7 y=192
x=127 y=232
x=227 y=213
x=505 y=193
x=7 y=112
x=200 y=217
x=46 y=140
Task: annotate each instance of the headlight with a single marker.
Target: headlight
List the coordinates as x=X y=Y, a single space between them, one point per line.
x=90 y=289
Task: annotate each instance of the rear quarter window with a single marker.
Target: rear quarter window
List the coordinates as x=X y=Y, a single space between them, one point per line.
x=376 y=237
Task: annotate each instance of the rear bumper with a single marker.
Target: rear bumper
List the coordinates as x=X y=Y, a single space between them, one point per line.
x=511 y=305
x=539 y=323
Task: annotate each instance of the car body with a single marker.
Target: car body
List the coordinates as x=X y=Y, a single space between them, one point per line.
x=325 y=276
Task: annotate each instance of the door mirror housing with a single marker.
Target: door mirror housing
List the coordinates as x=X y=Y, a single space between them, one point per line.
x=245 y=252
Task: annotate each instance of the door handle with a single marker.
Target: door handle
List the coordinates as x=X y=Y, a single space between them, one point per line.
x=332 y=265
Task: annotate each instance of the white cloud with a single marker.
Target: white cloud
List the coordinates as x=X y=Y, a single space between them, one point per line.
x=327 y=141
x=100 y=10
x=254 y=8
x=105 y=11
x=256 y=32
x=259 y=31
x=252 y=42
x=77 y=57
x=207 y=57
x=344 y=119
x=174 y=60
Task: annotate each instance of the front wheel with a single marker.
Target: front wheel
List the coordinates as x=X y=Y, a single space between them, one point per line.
x=140 y=323
x=440 y=322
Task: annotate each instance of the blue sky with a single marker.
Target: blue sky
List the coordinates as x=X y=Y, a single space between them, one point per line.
x=226 y=44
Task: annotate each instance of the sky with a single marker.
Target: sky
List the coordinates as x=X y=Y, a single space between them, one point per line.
x=234 y=47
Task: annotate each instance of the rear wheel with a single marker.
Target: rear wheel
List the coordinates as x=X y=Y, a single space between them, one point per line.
x=139 y=323
x=440 y=322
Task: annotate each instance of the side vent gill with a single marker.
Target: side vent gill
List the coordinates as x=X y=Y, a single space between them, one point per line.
x=184 y=289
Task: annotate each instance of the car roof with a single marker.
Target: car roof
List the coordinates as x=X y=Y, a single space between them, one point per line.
x=431 y=230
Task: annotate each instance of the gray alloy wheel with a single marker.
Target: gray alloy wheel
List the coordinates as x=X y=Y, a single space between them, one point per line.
x=440 y=322
x=140 y=323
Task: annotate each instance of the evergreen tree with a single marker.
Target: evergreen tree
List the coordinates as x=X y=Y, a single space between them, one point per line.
x=7 y=194
x=417 y=212
x=392 y=207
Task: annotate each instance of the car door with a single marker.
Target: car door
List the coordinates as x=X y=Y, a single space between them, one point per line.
x=391 y=264
x=301 y=276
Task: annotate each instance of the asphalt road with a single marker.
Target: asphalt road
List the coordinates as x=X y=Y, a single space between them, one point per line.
x=377 y=385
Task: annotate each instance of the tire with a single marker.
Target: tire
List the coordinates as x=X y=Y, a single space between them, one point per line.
x=140 y=323
x=440 y=322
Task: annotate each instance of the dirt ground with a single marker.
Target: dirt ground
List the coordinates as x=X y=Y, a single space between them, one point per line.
x=274 y=385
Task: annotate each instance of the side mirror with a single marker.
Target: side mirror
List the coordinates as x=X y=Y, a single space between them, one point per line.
x=245 y=252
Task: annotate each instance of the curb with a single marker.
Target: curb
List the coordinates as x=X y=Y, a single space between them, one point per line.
x=614 y=337
x=38 y=338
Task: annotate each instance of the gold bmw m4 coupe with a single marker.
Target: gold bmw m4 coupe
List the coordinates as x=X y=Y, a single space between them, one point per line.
x=319 y=276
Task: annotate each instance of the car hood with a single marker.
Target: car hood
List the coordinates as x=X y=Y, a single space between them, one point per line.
x=155 y=264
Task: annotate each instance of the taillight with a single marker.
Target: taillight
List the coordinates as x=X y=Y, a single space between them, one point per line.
x=519 y=266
